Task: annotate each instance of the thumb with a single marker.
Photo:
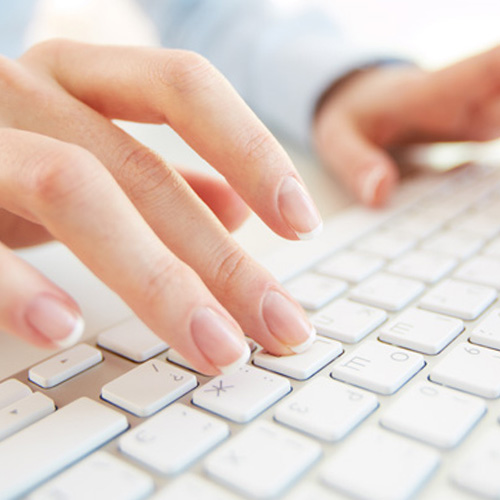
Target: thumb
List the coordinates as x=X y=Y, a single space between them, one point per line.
x=366 y=169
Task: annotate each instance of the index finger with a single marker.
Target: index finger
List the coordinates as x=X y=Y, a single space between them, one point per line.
x=183 y=90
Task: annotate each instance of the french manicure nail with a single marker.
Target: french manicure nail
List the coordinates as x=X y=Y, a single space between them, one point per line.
x=370 y=184
x=218 y=340
x=298 y=209
x=287 y=322
x=51 y=318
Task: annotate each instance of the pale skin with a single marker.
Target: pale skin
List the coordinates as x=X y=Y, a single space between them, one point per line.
x=159 y=236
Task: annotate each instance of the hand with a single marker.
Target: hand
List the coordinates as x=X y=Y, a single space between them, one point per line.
x=391 y=106
x=66 y=171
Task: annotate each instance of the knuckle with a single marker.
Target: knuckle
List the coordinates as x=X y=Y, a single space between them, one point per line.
x=187 y=72
x=230 y=266
x=165 y=273
x=58 y=176
x=259 y=145
x=142 y=173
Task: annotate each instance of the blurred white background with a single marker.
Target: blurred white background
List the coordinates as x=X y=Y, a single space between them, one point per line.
x=433 y=32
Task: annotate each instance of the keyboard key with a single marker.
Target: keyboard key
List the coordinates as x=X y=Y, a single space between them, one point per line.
x=53 y=443
x=133 y=340
x=487 y=332
x=459 y=244
x=419 y=224
x=149 y=387
x=377 y=465
x=304 y=365
x=313 y=291
x=326 y=409
x=482 y=270
x=311 y=491
x=351 y=266
x=436 y=415
x=24 y=412
x=262 y=460
x=378 y=367
x=424 y=266
x=387 y=291
x=100 y=476
x=241 y=396
x=11 y=391
x=191 y=487
x=493 y=248
x=471 y=369
x=422 y=331
x=477 y=471
x=347 y=321
x=483 y=224
x=65 y=365
x=173 y=439
x=459 y=299
x=387 y=244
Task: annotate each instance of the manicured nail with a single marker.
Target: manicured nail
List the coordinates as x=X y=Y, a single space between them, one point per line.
x=218 y=340
x=54 y=320
x=298 y=209
x=287 y=322
x=370 y=183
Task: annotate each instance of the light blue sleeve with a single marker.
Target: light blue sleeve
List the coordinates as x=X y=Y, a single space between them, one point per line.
x=280 y=59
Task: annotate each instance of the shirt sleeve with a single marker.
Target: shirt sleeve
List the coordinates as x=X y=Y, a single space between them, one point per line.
x=279 y=58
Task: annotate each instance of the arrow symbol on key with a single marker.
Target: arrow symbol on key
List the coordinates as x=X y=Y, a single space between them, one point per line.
x=14 y=412
x=64 y=360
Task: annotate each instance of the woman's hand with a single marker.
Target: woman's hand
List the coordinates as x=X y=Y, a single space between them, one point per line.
x=389 y=106
x=66 y=171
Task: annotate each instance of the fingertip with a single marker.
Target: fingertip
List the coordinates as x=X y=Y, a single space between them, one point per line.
x=376 y=184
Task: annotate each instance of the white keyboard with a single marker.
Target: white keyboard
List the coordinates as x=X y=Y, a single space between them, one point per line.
x=398 y=398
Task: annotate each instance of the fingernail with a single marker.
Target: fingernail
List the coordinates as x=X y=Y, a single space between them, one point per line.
x=370 y=184
x=218 y=340
x=287 y=322
x=298 y=209
x=54 y=320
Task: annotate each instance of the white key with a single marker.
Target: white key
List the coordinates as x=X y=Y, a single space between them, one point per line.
x=133 y=340
x=493 y=248
x=477 y=471
x=423 y=266
x=422 y=331
x=177 y=358
x=471 y=369
x=455 y=243
x=301 y=366
x=191 y=487
x=100 y=476
x=387 y=291
x=378 y=367
x=434 y=414
x=11 y=391
x=487 y=332
x=65 y=365
x=24 y=412
x=457 y=298
x=262 y=460
x=242 y=395
x=149 y=387
x=417 y=223
x=387 y=244
x=173 y=439
x=313 y=291
x=351 y=266
x=312 y=491
x=483 y=224
x=347 y=321
x=53 y=443
x=326 y=409
x=482 y=269
x=378 y=465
